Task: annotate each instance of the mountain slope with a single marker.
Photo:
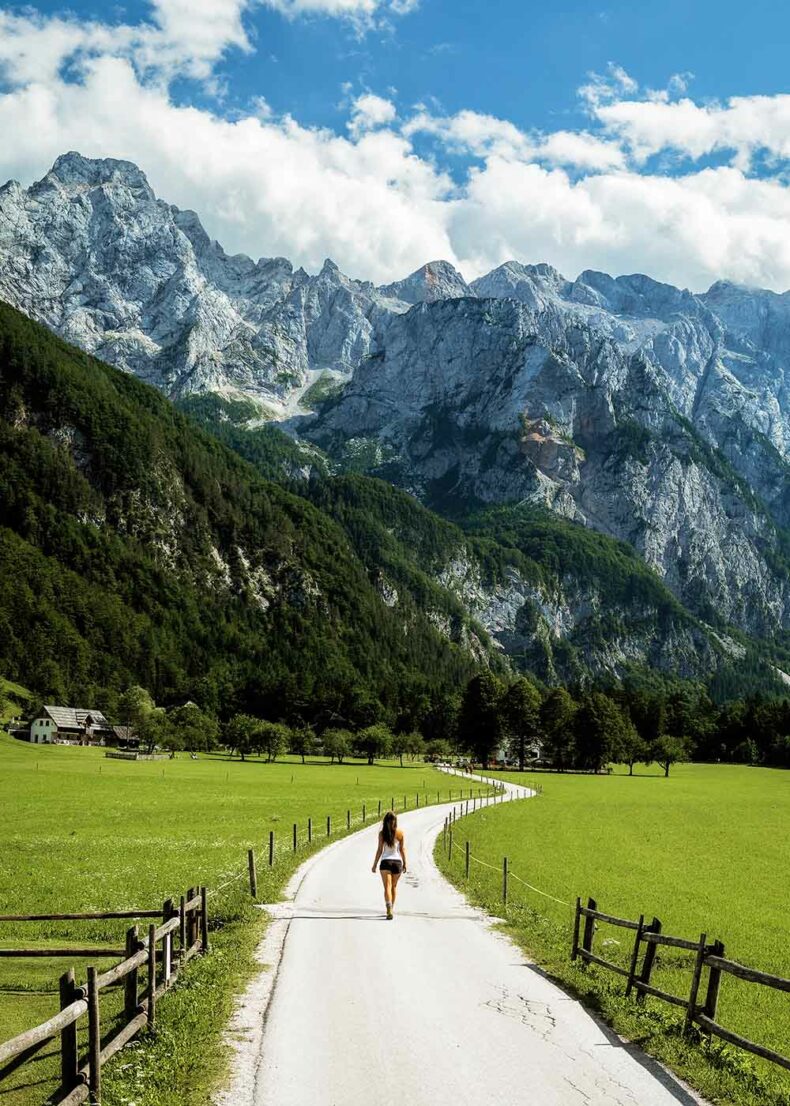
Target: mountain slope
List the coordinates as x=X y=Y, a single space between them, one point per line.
x=640 y=410
x=136 y=547
x=560 y=601
x=493 y=401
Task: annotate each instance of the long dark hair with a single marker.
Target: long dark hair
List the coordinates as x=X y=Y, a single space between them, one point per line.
x=388 y=828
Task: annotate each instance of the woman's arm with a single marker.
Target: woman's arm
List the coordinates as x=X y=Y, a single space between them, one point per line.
x=378 y=851
x=403 y=849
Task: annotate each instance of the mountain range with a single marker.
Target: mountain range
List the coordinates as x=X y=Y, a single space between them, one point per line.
x=648 y=414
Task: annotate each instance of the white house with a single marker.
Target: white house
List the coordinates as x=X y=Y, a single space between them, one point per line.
x=69 y=724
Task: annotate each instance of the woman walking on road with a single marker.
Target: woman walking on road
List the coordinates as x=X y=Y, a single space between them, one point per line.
x=392 y=854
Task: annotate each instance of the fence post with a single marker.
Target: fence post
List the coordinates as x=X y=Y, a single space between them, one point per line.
x=467 y=860
x=635 y=955
x=94 y=1037
x=504 y=880
x=691 y=1009
x=295 y=832
x=393 y=803
x=271 y=848
x=69 y=1064
x=167 y=945
x=589 y=927
x=191 y=927
x=151 y=982
x=444 y=835
x=329 y=825
x=130 y=982
x=309 y=831
x=182 y=931
x=714 y=979
x=576 y=923
x=253 y=873
x=650 y=955
x=364 y=813
x=405 y=804
x=450 y=846
x=418 y=800
x=204 y=919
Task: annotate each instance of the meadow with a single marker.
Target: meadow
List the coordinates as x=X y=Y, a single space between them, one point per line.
x=705 y=850
x=83 y=833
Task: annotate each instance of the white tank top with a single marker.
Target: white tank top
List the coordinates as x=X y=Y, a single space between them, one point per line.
x=391 y=852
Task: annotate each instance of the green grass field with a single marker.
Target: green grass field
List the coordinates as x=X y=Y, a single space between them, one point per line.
x=82 y=832
x=705 y=850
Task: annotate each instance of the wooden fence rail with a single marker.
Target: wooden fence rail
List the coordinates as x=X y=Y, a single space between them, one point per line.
x=187 y=921
x=708 y=957
x=81 y=1081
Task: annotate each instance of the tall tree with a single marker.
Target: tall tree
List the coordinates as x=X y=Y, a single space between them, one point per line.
x=241 y=734
x=336 y=744
x=302 y=742
x=556 y=722
x=668 y=750
x=272 y=739
x=480 y=721
x=193 y=729
x=521 y=712
x=374 y=742
x=601 y=730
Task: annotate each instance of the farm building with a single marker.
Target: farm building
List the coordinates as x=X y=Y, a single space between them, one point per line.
x=124 y=737
x=69 y=724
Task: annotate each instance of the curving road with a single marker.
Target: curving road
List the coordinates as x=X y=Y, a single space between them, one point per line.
x=432 y=1009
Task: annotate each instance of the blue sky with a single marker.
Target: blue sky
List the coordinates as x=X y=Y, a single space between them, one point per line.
x=519 y=60
x=627 y=136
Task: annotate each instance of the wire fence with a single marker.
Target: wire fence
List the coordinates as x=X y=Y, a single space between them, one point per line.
x=700 y=1013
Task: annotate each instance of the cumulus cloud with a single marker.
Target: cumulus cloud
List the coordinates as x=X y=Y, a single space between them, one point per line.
x=743 y=125
x=370 y=111
x=369 y=197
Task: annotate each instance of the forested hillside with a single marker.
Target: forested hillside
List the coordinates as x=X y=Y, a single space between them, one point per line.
x=136 y=548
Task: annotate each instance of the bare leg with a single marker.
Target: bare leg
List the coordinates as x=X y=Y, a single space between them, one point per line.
x=395 y=879
x=386 y=879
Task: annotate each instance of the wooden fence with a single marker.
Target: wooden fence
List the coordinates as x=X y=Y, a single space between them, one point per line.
x=182 y=932
x=155 y=954
x=648 y=937
x=708 y=957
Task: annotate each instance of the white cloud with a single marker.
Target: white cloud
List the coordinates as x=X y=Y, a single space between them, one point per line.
x=266 y=185
x=369 y=111
x=601 y=88
x=470 y=132
x=744 y=125
x=360 y=12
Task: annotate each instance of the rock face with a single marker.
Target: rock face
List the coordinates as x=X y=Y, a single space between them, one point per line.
x=639 y=409
x=90 y=251
x=499 y=400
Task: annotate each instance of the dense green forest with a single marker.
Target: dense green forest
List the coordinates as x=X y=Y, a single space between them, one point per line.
x=137 y=549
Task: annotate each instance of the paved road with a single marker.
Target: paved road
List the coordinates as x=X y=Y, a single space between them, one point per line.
x=431 y=1009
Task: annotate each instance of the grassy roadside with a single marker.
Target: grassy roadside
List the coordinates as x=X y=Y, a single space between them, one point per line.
x=636 y=845
x=89 y=833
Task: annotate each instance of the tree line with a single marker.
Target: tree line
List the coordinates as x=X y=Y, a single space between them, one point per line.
x=620 y=724
x=497 y=719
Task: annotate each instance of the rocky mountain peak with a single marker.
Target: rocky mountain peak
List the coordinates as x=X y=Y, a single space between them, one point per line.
x=438 y=280
x=75 y=169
